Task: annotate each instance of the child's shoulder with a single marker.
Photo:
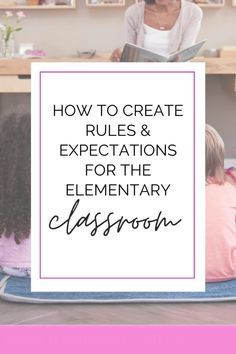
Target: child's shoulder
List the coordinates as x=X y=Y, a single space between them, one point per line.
x=229 y=186
x=221 y=192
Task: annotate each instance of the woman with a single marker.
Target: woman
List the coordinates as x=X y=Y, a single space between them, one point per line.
x=162 y=26
x=15 y=194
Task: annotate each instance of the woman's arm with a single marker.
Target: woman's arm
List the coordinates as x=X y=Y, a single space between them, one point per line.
x=193 y=28
x=131 y=25
x=130 y=31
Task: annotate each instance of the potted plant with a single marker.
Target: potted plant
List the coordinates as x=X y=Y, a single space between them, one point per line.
x=10 y=24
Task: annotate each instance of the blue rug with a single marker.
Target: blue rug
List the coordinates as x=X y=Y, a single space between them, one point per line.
x=2 y=278
x=18 y=289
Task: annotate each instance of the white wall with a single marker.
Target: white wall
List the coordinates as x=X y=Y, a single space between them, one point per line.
x=221 y=110
x=62 y=32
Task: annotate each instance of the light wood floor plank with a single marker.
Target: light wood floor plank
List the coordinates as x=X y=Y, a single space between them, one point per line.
x=204 y=313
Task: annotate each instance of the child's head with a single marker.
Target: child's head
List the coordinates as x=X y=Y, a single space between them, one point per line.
x=214 y=156
x=15 y=175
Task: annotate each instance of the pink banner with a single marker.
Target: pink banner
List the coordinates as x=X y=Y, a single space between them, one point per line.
x=117 y=339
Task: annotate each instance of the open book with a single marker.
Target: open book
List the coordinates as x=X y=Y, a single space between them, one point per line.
x=132 y=52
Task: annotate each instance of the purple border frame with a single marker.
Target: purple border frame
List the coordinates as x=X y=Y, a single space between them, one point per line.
x=194 y=170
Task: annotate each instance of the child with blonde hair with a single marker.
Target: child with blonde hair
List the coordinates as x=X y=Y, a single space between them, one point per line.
x=220 y=212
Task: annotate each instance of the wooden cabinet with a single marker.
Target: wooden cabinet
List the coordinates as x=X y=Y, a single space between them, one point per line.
x=37 y=4
x=210 y=3
x=207 y=3
x=105 y=3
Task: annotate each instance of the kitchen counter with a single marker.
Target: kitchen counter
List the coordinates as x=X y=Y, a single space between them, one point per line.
x=15 y=72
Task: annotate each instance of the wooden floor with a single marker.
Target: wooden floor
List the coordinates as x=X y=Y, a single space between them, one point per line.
x=211 y=313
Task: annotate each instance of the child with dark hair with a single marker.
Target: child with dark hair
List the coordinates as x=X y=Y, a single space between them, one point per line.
x=220 y=212
x=15 y=194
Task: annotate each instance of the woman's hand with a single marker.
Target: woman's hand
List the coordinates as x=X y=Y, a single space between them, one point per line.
x=116 y=54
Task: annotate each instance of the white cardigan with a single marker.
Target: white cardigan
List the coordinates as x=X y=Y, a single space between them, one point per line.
x=183 y=33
